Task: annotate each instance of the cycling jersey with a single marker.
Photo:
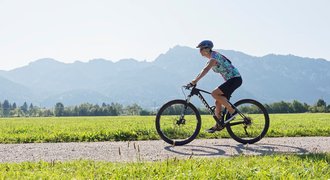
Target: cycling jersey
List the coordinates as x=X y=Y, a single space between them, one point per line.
x=224 y=66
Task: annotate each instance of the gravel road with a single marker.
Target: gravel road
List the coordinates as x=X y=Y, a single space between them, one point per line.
x=157 y=150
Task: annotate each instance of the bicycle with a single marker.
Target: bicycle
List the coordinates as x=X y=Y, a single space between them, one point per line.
x=178 y=122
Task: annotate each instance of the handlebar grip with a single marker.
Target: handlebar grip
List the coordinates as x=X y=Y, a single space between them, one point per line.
x=188 y=86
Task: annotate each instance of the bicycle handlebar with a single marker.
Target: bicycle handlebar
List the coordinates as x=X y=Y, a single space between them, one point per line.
x=188 y=86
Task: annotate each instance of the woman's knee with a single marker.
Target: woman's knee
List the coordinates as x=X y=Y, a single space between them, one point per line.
x=216 y=93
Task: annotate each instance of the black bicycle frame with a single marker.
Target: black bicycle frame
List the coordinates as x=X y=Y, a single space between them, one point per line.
x=197 y=92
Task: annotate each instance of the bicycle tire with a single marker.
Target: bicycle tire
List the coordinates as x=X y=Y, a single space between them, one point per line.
x=167 y=119
x=258 y=122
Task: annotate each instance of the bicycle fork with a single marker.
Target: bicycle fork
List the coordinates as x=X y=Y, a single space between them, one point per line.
x=182 y=120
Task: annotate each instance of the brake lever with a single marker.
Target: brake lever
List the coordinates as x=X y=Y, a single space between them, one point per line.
x=188 y=86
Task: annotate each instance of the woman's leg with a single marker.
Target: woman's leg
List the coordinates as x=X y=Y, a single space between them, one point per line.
x=217 y=94
x=227 y=89
x=217 y=112
x=218 y=108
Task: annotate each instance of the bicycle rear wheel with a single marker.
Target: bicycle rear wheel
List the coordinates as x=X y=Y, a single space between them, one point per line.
x=178 y=123
x=251 y=125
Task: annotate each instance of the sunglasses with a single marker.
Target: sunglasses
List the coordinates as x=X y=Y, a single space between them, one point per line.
x=201 y=49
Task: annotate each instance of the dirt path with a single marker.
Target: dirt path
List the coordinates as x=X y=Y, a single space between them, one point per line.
x=157 y=150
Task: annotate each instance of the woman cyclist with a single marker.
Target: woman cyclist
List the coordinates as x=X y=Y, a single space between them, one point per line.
x=219 y=64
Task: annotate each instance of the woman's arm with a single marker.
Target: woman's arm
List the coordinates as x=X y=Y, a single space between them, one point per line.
x=205 y=70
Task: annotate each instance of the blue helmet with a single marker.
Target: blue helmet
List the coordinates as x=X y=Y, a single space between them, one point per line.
x=205 y=44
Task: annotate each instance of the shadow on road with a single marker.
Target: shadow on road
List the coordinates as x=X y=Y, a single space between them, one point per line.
x=231 y=150
x=189 y=150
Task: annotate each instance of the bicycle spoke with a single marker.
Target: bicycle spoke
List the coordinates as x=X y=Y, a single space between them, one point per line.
x=251 y=125
x=246 y=133
x=178 y=123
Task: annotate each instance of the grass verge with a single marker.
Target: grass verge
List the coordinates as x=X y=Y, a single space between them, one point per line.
x=124 y=128
x=285 y=166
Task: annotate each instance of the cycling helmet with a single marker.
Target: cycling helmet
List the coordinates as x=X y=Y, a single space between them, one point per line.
x=205 y=44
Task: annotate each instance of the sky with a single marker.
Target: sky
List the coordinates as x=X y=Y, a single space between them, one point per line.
x=71 y=30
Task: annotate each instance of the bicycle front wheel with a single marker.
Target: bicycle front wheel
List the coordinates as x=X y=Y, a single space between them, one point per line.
x=251 y=125
x=178 y=122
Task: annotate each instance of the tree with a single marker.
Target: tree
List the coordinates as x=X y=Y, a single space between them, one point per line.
x=24 y=108
x=14 y=106
x=104 y=105
x=298 y=107
x=59 y=109
x=281 y=107
x=116 y=109
x=321 y=103
x=31 y=106
x=6 y=108
x=320 y=106
x=145 y=112
x=1 y=110
x=84 y=109
x=306 y=106
x=32 y=111
x=133 y=109
x=16 y=113
x=46 y=113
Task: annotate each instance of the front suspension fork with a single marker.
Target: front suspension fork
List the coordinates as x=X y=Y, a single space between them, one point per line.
x=181 y=120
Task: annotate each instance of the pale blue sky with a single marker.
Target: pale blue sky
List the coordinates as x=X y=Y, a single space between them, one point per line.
x=70 y=30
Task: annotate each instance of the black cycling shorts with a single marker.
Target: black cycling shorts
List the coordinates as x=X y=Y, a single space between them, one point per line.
x=230 y=86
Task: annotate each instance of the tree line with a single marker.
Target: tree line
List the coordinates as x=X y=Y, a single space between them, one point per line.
x=8 y=109
x=291 y=107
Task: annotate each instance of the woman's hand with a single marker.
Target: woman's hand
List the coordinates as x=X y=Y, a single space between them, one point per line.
x=194 y=82
x=190 y=85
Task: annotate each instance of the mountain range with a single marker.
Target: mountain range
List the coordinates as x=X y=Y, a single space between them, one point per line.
x=269 y=78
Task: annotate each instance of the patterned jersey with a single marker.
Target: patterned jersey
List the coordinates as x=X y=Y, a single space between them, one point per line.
x=224 y=66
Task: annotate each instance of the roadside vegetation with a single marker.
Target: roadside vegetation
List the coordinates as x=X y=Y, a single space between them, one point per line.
x=8 y=109
x=280 y=166
x=129 y=128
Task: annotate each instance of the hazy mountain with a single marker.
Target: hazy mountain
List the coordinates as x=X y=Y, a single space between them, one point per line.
x=268 y=79
x=15 y=92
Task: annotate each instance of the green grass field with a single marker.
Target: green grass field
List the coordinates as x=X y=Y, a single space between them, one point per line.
x=78 y=129
x=123 y=128
x=313 y=166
